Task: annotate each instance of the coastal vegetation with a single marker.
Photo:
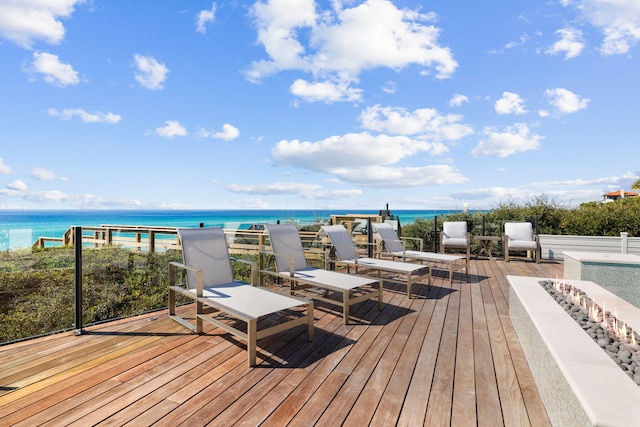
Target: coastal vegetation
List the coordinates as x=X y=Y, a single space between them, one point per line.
x=550 y=216
x=37 y=286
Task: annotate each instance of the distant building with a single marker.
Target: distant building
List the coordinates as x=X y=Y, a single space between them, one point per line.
x=618 y=194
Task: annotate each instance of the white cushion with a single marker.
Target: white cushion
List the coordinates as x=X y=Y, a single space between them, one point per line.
x=455 y=230
x=521 y=244
x=522 y=231
x=454 y=242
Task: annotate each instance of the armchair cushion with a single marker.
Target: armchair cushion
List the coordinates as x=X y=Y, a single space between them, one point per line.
x=519 y=231
x=454 y=233
x=520 y=235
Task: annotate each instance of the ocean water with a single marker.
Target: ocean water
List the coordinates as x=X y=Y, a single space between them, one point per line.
x=21 y=228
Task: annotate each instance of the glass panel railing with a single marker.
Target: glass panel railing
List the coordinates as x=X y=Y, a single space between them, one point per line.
x=36 y=292
x=119 y=282
x=37 y=286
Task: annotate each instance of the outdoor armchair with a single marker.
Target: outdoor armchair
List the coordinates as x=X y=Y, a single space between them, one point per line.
x=519 y=236
x=455 y=236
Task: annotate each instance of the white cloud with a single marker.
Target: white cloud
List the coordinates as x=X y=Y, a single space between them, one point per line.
x=394 y=176
x=570 y=43
x=521 y=41
x=341 y=43
x=275 y=188
x=425 y=122
x=607 y=181
x=93 y=201
x=334 y=194
x=96 y=117
x=205 y=17
x=566 y=101
x=457 y=100
x=389 y=87
x=278 y=22
x=325 y=91
x=228 y=133
x=151 y=74
x=172 y=128
x=17 y=185
x=26 y=21
x=53 y=71
x=618 y=20
x=365 y=159
x=513 y=139
x=491 y=194
x=4 y=169
x=253 y=203
x=510 y=103
x=45 y=175
x=350 y=151
x=307 y=191
x=77 y=200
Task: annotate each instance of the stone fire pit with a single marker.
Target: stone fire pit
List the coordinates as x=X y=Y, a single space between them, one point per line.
x=579 y=383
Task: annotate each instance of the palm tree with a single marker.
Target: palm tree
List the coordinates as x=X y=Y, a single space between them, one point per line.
x=636 y=185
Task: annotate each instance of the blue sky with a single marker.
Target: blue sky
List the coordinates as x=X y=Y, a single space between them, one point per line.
x=302 y=104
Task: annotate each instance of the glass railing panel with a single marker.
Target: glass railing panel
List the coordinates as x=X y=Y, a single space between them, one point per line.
x=36 y=292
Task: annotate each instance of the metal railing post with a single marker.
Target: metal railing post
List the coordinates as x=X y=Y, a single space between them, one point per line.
x=77 y=279
x=369 y=238
x=435 y=233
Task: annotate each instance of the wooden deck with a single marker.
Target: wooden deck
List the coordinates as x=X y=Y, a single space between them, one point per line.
x=447 y=357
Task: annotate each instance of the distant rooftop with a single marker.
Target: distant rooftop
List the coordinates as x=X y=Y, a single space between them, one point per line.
x=619 y=194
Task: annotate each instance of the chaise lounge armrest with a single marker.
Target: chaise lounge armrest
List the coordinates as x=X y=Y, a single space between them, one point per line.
x=276 y=272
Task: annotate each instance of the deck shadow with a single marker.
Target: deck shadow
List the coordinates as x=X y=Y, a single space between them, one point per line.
x=457 y=276
x=358 y=312
x=137 y=334
x=424 y=291
x=295 y=353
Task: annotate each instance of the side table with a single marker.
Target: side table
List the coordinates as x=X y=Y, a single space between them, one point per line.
x=486 y=242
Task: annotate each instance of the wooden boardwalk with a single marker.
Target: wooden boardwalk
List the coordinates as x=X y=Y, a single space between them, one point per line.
x=449 y=356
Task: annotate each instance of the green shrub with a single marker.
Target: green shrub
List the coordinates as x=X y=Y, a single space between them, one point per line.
x=550 y=216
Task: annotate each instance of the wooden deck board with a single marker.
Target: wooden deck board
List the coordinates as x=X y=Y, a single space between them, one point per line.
x=463 y=411
x=414 y=408
x=440 y=397
x=489 y=411
x=393 y=398
x=316 y=405
x=449 y=356
x=372 y=374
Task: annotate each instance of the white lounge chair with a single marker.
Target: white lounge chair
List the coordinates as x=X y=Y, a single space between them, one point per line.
x=396 y=248
x=347 y=255
x=210 y=283
x=455 y=236
x=518 y=236
x=291 y=265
